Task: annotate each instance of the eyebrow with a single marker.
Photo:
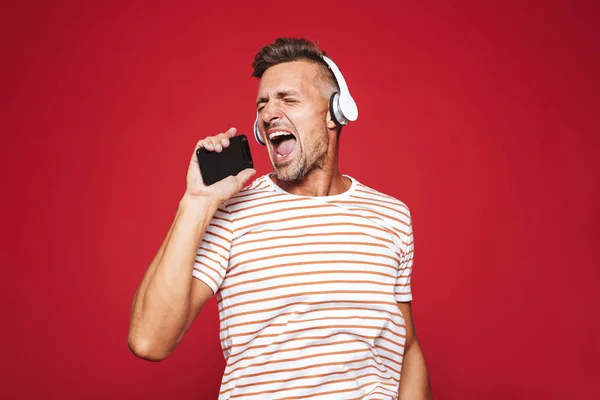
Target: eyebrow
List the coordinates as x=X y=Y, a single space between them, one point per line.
x=279 y=95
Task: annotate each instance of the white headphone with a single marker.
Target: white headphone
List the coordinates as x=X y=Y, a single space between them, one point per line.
x=341 y=105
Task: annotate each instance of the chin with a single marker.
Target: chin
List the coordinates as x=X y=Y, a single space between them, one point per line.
x=283 y=175
x=287 y=173
x=292 y=170
x=291 y=176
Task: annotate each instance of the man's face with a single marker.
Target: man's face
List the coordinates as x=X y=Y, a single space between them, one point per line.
x=292 y=113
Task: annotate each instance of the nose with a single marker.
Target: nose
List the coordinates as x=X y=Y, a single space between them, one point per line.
x=271 y=112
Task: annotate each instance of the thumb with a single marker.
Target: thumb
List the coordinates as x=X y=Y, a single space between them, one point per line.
x=244 y=176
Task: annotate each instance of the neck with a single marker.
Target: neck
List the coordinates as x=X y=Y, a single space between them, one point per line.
x=323 y=180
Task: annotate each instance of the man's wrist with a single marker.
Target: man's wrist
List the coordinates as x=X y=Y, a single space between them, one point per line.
x=193 y=203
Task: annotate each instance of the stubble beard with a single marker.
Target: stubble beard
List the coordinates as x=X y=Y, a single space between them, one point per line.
x=298 y=169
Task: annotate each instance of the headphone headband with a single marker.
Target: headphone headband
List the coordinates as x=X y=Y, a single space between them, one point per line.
x=341 y=105
x=347 y=106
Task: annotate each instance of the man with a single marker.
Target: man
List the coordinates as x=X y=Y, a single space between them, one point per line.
x=311 y=268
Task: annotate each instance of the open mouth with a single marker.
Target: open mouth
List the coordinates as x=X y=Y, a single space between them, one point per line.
x=283 y=144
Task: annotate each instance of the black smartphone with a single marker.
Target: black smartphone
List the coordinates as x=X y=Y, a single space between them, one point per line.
x=232 y=160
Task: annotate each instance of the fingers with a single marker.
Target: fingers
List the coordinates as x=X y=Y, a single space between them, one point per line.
x=217 y=143
x=230 y=132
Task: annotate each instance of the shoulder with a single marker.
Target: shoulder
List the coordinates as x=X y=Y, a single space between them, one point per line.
x=383 y=201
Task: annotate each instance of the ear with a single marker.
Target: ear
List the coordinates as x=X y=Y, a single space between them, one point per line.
x=330 y=122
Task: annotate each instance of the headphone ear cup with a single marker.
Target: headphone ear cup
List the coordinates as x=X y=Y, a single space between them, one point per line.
x=334 y=106
x=257 y=132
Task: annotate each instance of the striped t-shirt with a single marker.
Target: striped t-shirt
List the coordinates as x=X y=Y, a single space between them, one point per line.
x=307 y=291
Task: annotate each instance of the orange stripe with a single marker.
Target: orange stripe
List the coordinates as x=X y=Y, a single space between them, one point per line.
x=230 y=275
x=307 y=253
x=207 y=257
x=385 y=216
x=329 y=364
x=315 y=216
x=221 y=219
x=280 y=351
x=336 y=391
x=280 y=370
x=212 y=251
x=246 y=242
x=266 y=204
x=379 y=391
x=412 y=251
x=359 y=272
x=256 y=190
x=284 y=360
x=218 y=272
x=308 y=244
x=308 y=320
x=316 y=328
x=297 y=284
x=312 y=376
x=388 y=349
x=320 y=338
x=284 y=210
x=304 y=294
x=255 y=347
x=265 y=310
x=372 y=192
x=337 y=224
x=395 y=203
x=223 y=238
x=263 y=185
x=376 y=337
x=404 y=259
x=308 y=312
x=392 y=361
x=334 y=381
x=262 y=346
x=220 y=227
x=268 y=196
x=373 y=204
x=216 y=245
x=208 y=276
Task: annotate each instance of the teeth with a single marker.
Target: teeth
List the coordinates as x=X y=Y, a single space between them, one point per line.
x=278 y=133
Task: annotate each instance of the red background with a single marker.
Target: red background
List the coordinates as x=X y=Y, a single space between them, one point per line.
x=482 y=116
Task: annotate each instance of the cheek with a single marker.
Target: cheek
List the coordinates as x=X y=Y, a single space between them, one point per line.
x=299 y=120
x=309 y=123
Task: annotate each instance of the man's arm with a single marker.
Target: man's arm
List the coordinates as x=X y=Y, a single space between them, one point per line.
x=169 y=298
x=414 y=381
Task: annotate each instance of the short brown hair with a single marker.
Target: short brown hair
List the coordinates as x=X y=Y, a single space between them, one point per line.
x=294 y=49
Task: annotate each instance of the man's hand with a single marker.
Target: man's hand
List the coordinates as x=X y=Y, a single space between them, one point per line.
x=225 y=188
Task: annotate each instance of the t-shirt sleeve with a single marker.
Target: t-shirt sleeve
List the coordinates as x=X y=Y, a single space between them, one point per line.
x=212 y=257
x=403 y=289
